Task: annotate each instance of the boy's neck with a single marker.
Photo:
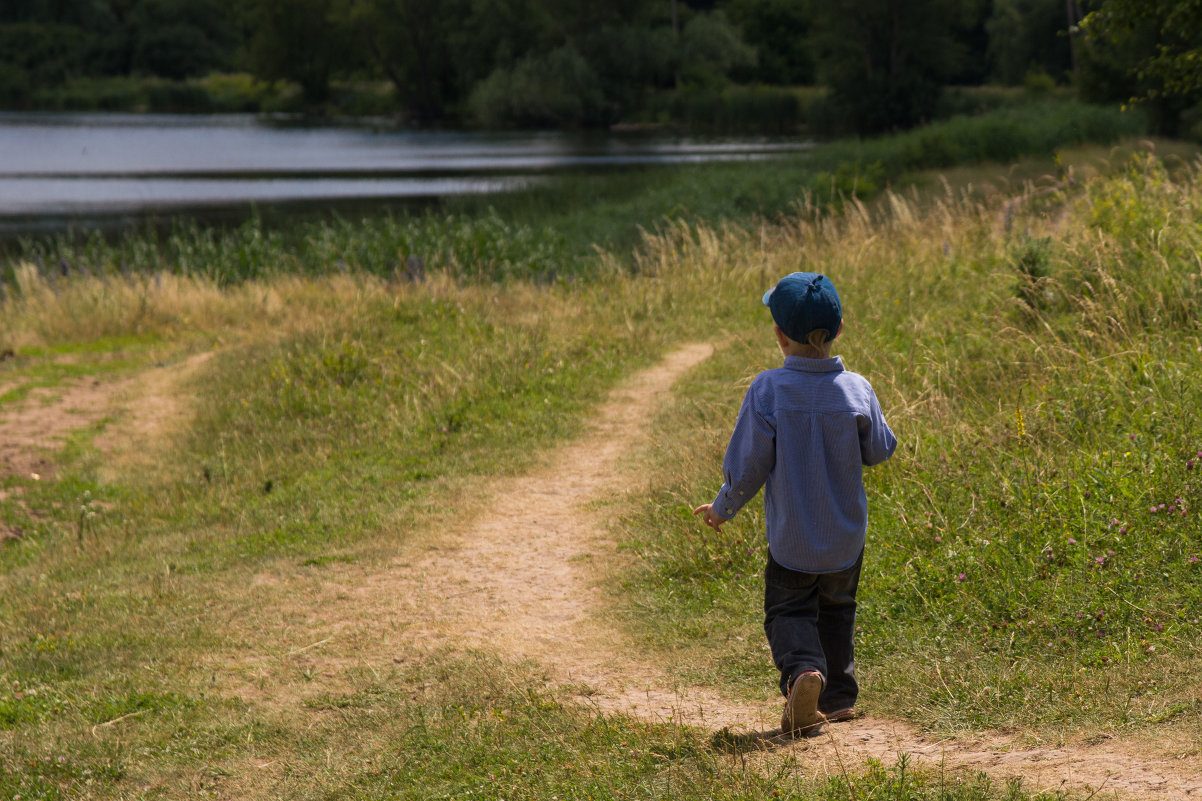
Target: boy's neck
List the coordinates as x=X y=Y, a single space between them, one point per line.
x=807 y=351
x=791 y=347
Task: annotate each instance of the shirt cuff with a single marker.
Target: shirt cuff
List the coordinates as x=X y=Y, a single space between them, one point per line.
x=727 y=504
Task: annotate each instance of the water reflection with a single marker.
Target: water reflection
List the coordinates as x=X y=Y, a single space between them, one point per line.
x=64 y=164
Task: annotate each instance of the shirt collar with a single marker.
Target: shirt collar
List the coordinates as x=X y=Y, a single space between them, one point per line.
x=832 y=365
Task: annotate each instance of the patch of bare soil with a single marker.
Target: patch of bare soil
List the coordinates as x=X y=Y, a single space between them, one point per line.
x=44 y=420
x=146 y=407
x=152 y=410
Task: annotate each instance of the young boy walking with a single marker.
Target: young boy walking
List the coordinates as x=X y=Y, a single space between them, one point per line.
x=804 y=433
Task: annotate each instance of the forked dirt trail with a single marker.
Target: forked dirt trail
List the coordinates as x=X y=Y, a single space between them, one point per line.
x=532 y=559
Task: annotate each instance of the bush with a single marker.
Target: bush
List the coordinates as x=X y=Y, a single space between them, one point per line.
x=14 y=86
x=238 y=92
x=558 y=89
x=179 y=98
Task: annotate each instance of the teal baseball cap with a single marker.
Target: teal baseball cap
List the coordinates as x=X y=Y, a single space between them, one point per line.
x=802 y=303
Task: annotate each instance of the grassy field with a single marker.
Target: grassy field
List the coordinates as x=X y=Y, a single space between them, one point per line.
x=1035 y=556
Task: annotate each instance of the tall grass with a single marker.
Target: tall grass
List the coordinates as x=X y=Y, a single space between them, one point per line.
x=1034 y=552
x=550 y=232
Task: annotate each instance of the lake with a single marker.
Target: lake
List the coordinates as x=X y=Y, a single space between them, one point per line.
x=105 y=170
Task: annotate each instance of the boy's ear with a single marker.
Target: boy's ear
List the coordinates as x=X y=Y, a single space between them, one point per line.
x=781 y=337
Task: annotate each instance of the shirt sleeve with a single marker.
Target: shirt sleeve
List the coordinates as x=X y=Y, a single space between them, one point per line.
x=877 y=441
x=749 y=458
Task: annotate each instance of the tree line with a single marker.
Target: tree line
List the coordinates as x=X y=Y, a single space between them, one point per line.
x=584 y=63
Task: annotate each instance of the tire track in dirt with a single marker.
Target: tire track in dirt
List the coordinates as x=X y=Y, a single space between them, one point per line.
x=146 y=407
x=532 y=594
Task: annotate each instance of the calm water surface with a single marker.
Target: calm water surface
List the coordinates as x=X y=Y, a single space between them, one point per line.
x=56 y=168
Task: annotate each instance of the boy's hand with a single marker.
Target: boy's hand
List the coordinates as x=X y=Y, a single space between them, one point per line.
x=712 y=518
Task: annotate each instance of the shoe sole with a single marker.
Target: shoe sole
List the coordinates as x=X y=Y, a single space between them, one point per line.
x=801 y=710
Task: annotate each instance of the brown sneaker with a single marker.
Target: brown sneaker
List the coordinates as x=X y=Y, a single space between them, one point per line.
x=801 y=710
x=839 y=715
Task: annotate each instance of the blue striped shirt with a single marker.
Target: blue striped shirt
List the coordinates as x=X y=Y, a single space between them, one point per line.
x=804 y=433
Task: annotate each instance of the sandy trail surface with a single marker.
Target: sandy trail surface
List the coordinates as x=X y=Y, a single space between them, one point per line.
x=534 y=558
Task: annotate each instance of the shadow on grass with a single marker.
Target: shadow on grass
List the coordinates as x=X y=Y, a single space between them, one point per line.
x=733 y=742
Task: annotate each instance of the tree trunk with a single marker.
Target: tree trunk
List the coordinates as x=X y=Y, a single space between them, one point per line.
x=1073 y=15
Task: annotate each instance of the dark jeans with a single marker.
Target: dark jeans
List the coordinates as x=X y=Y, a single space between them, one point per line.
x=810 y=620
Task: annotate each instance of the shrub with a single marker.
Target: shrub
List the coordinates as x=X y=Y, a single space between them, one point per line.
x=558 y=89
x=178 y=97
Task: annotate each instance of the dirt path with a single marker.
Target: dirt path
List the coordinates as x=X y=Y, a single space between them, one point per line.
x=537 y=549
x=540 y=548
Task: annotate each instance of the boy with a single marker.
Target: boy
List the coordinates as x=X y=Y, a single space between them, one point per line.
x=806 y=430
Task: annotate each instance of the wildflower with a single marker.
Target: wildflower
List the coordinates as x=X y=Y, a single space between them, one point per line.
x=1019 y=423
x=938 y=538
x=1072 y=541
x=1100 y=560
x=961 y=577
x=1193 y=560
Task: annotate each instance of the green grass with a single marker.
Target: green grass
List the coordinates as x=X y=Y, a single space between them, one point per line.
x=346 y=418
x=1035 y=556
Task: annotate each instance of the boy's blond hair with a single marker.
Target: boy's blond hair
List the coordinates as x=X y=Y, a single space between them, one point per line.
x=816 y=346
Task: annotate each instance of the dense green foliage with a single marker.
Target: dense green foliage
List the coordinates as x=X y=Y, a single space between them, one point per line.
x=540 y=63
x=1150 y=52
